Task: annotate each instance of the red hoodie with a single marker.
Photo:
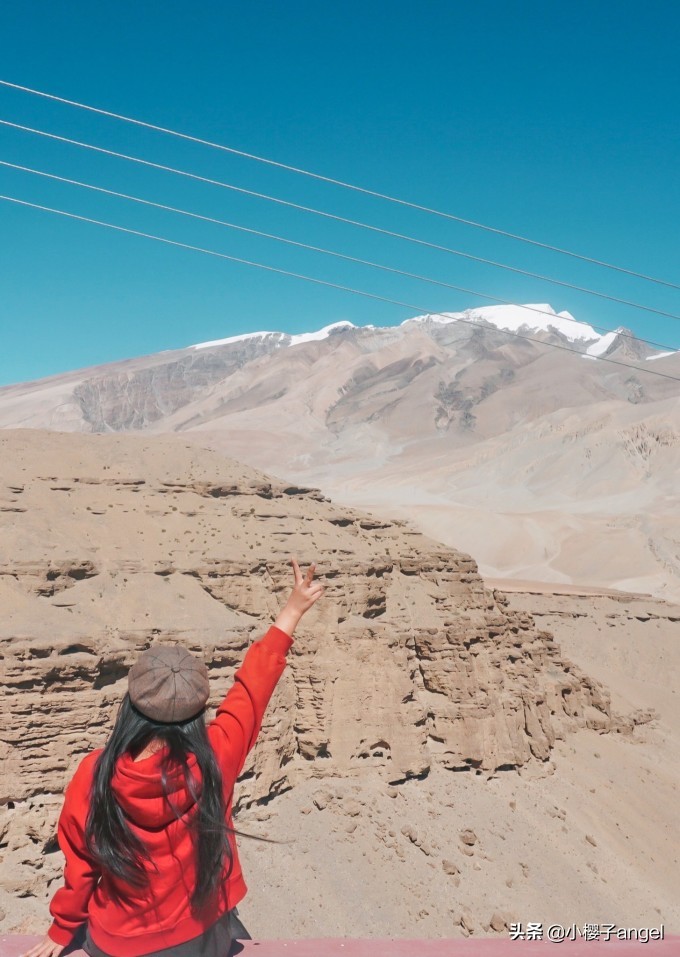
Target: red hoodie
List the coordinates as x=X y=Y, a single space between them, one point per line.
x=128 y=922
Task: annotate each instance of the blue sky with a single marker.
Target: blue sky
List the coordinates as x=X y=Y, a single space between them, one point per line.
x=556 y=121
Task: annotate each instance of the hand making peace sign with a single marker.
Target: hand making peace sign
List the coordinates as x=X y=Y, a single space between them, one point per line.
x=306 y=590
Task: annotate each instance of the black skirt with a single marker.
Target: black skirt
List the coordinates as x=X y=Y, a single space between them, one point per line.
x=214 y=942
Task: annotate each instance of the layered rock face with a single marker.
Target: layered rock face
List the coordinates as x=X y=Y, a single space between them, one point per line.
x=132 y=398
x=111 y=543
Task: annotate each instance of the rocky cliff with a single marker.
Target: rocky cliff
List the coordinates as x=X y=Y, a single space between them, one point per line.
x=408 y=664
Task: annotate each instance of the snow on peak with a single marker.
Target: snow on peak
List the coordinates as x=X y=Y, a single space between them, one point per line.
x=222 y=342
x=537 y=317
x=533 y=317
x=321 y=334
x=600 y=347
x=292 y=340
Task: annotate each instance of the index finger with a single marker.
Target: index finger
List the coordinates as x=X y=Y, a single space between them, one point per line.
x=296 y=571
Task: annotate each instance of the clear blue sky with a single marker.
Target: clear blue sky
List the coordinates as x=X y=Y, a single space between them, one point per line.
x=554 y=120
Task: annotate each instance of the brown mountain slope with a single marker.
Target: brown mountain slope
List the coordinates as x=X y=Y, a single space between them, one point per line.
x=543 y=464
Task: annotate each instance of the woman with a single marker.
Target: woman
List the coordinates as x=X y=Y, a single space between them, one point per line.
x=151 y=866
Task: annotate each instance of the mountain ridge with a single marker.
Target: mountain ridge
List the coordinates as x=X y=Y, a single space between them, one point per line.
x=507 y=318
x=525 y=456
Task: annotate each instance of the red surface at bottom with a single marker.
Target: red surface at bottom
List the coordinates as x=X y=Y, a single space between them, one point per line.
x=15 y=945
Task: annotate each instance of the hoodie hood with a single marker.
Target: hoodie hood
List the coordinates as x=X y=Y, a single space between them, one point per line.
x=138 y=789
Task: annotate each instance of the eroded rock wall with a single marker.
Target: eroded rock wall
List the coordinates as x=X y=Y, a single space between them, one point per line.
x=110 y=543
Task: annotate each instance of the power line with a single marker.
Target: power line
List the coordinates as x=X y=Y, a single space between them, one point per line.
x=338 y=182
x=335 y=217
x=321 y=282
x=318 y=249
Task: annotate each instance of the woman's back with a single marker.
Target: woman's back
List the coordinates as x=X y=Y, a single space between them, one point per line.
x=129 y=921
x=146 y=828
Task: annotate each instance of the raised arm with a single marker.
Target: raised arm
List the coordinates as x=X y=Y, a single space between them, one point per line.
x=238 y=721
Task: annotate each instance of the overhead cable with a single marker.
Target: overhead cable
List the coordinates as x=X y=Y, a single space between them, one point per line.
x=335 y=217
x=318 y=249
x=336 y=182
x=322 y=282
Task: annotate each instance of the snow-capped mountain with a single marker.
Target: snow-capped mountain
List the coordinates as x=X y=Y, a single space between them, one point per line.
x=529 y=321
x=529 y=318
x=471 y=424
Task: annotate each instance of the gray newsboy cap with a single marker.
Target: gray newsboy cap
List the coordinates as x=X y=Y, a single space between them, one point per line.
x=167 y=683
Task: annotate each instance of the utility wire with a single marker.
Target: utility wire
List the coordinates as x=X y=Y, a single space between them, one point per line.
x=338 y=182
x=321 y=282
x=318 y=249
x=337 y=218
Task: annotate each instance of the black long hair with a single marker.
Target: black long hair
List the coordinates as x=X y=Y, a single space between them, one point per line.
x=107 y=834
